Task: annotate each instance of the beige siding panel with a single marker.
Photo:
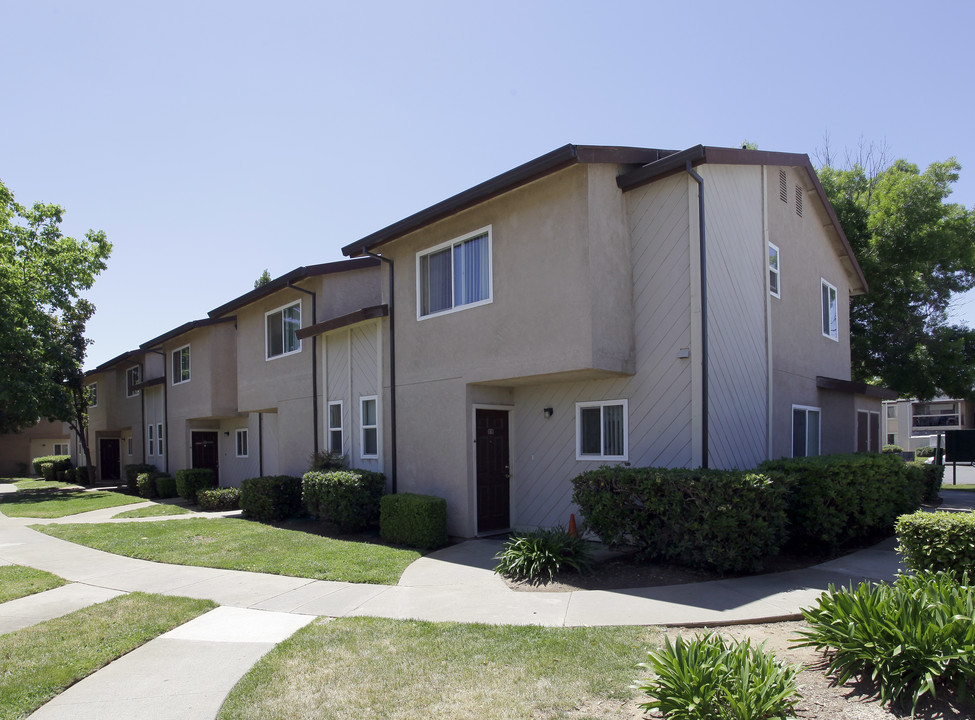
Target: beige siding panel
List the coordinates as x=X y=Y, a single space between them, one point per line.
x=738 y=355
x=364 y=357
x=337 y=379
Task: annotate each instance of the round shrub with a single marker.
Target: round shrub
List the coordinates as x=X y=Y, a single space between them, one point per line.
x=892 y=449
x=165 y=485
x=348 y=498
x=939 y=541
x=218 y=500
x=146 y=484
x=272 y=498
x=413 y=520
x=189 y=482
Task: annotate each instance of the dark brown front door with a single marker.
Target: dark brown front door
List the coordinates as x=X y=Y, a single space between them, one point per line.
x=110 y=458
x=493 y=470
x=205 y=452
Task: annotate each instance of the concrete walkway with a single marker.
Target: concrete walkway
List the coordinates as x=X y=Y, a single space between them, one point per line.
x=188 y=672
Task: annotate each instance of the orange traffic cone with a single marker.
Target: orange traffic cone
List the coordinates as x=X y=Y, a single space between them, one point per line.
x=572 y=525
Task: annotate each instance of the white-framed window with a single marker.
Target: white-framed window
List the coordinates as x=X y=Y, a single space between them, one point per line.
x=181 y=365
x=830 y=312
x=133 y=376
x=241 y=442
x=805 y=431
x=891 y=414
x=151 y=440
x=335 y=439
x=93 y=395
x=281 y=331
x=454 y=274
x=602 y=430
x=128 y=446
x=60 y=449
x=773 y=270
x=159 y=439
x=368 y=427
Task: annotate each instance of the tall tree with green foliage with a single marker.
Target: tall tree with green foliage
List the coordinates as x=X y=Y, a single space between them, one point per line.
x=263 y=280
x=916 y=250
x=42 y=342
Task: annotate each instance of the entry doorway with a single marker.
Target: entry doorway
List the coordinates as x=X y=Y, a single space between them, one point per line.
x=868 y=431
x=493 y=469
x=110 y=458
x=205 y=451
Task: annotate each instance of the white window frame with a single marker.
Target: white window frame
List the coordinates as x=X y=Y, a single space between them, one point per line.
x=241 y=441
x=93 y=387
x=830 y=308
x=61 y=446
x=819 y=433
x=580 y=406
x=454 y=307
x=363 y=427
x=173 y=355
x=340 y=428
x=128 y=446
x=151 y=444
x=267 y=347
x=135 y=371
x=160 y=440
x=776 y=271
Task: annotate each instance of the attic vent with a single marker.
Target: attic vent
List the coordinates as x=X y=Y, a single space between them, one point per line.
x=783 y=187
x=798 y=201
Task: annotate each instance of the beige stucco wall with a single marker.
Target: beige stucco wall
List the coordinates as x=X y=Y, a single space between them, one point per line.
x=117 y=415
x=18 y=449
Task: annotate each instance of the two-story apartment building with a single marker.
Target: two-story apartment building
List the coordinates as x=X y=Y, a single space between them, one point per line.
x=912 y=423
x=616 y=305
x=115 y=416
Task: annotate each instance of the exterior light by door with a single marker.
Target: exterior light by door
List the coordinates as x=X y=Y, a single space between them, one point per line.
x=547 y=412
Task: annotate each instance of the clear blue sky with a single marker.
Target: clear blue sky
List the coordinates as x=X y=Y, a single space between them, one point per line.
x=211 y=140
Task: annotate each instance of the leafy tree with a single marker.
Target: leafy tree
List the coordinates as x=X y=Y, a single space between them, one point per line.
x=916 y=251
x=42 y=342
x=263 y=280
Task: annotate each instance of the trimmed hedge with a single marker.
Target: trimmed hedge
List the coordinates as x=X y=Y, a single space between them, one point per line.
x=81 y=474
x=938 y=541
x=721 y=520
x=132 y=473
x=227 y=498
x=348 y=498
x=59 y=462
x=413 y=520
x=835 y=500
x=166 y=486
x=47 y=471
x=932 y=477
x=190 y=481
x=272 y=498
x=146 y=485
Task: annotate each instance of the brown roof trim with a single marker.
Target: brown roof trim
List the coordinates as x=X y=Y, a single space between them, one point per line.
x=369 y=313
x=523 y=174
x=108 y=364
x=855 y=388
x=149 y=383
x=185 y=328
x=737 y=156
x=300 y=273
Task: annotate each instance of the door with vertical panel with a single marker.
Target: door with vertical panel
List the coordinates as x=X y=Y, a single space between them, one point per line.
x=493 y=471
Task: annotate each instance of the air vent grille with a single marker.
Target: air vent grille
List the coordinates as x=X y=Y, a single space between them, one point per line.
x=798 y=201
x=783 y=186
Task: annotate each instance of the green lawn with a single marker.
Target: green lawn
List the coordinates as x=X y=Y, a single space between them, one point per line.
x=152 y=511
x=17 y=581
x=355 y=668
x=35 y=484
x=43 y=660
x=243 y=545
x=946 y=485
x=54 y=502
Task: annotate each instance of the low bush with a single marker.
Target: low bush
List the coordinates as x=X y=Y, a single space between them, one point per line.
x=413 y=520
x=925 y=452
x=59 y=462
x=708 y=678
x=348 y=498
x=190 y=481
x=81 y=475
x=220 y=499
x=892 y=449
x=47 y=471
x=272 y=498
x=910 y=637
x=539 y=555
x=165 y=486
x=146 y=485
x=939 y=541
x=132 y=473
x=835 y=500
x=932 y=477
x=719 y=520
x=326 y=460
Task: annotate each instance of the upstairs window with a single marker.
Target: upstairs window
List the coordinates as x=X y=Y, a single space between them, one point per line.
x=773 y=270
x=601 y=430
x=181 y=365
x=830 y=321
x=282 y=331
x=93 y=395
x=133 y=376
x=454 y=275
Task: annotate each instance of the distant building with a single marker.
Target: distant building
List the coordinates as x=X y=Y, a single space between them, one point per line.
x=914 y=423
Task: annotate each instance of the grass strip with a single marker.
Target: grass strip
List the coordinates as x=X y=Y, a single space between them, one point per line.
x=42 y=660
x=17 y=581
x=394 y=669
x=152 y=511
x=243 y=545
x=34 y=484
x=48 y=503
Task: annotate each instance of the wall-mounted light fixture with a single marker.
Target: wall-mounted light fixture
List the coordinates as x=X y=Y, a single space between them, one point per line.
x=226 y=433
x=684 y=353
x=547 y=412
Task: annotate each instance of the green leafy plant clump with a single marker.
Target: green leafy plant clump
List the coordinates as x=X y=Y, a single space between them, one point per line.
x=271 y=498
x=190 y=481
x=911 y=638
x=939 y=541
x=539 y=555
x=413 y=520
x=59 y=462
x=219 y=499
x=709 y=678
x=348 y=498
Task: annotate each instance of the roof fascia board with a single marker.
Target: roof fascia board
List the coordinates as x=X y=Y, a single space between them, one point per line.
x=352 y=318
x=185 y=328
x=855 y=388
